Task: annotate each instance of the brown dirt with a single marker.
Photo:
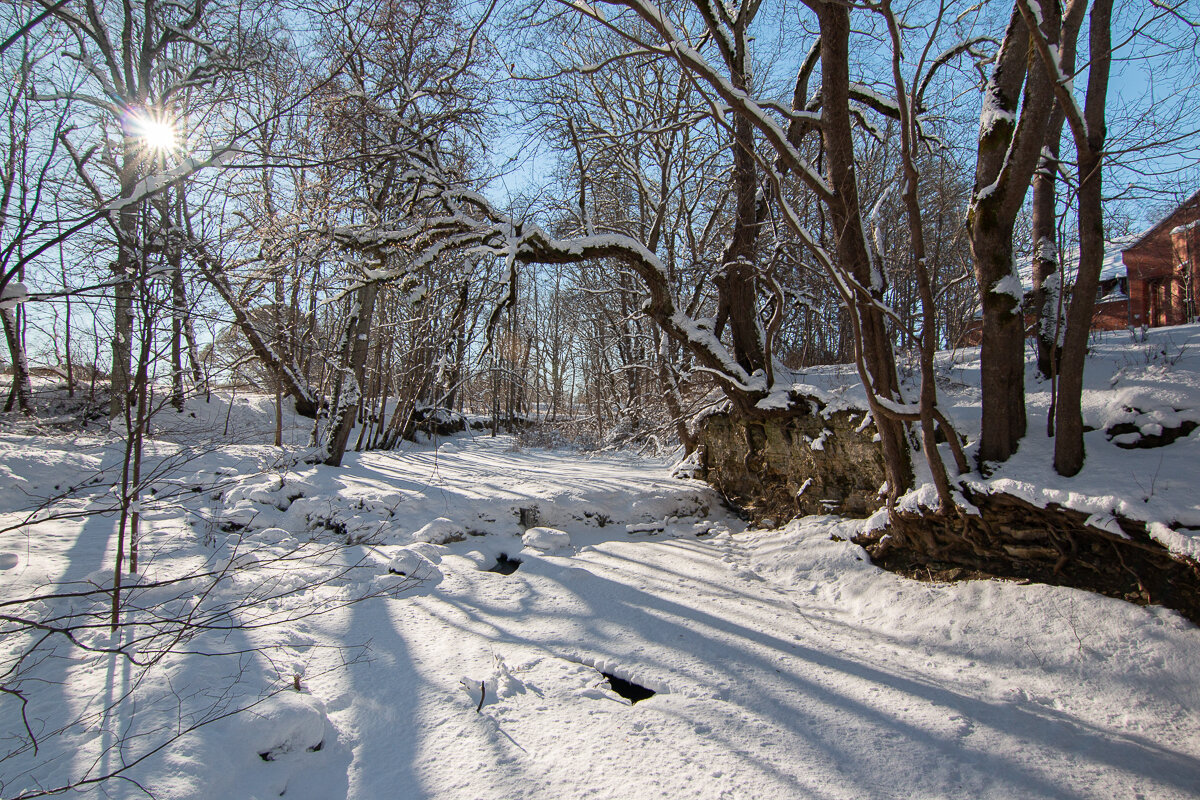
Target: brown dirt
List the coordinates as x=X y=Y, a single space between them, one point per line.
x=1016 y=540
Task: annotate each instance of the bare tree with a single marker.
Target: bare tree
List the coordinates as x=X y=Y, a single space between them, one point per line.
x=1017 y=105
x=128 y=72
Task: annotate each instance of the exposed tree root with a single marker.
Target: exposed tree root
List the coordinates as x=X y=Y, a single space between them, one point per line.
x=1015 y=539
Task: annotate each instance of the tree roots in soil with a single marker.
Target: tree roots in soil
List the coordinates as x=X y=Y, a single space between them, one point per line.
x=1014 y=539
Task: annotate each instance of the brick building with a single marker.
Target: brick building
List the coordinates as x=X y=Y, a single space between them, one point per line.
x=1163 y=267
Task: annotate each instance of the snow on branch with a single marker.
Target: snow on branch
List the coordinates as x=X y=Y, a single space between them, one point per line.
x=474 y=227
x=153 y=184
x=1064 y=85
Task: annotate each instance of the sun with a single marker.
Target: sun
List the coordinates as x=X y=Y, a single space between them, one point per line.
x=157 y=132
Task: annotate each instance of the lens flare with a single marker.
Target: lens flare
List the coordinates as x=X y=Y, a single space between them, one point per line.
x=158 y=133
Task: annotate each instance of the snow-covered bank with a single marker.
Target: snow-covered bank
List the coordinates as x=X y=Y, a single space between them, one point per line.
x=1141 y=411
x=784 y=664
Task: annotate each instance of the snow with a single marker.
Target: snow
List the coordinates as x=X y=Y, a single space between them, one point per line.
x=440 y=531
x=286 y=723
x=1152 y=385
x=548 y=540
x=993 y=112
x=382 y=659
x=412 y=562
x=14 y=294
x=829 y=401
x=1009 y=285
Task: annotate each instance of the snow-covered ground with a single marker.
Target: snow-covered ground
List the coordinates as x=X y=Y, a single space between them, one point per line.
x=784 y=664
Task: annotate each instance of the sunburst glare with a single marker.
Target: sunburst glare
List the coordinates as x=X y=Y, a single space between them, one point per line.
x=157 y=132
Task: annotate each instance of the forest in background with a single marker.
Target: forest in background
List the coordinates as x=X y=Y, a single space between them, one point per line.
x=308 y=198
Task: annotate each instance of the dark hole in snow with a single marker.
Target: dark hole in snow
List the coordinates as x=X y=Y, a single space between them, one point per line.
x=505 y=565
x=271 y=755
x=1147 y=441
x=628 y=689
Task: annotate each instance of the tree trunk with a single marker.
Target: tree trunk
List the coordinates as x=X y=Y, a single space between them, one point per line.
x=928 y=338
x=876 y=345
x=20 y=395
x=1002 y=354
x=1010 y=141
x=1089 y=143
x=306 y=403
x=457 y=347
x=1047 y=285
x=177 y=314
x=355 y=343
x=736 y=282
x=124 y=270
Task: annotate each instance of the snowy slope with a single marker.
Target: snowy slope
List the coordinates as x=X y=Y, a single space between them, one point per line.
x=784 y=664
x=1148 y=384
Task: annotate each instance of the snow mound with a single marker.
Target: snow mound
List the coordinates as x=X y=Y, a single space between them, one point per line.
x=440 y=531
x=411 y=564
x=548 y=540
x=275 y=534
x=432 y=552
x=286 y=723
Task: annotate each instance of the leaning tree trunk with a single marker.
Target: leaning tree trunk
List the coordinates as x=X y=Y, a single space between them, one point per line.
x=356 y=340
x=306 y=402
x=874 y=341
x=908 y=109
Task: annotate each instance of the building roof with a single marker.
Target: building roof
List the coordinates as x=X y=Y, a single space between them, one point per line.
x=1111 y=268
x=1158 y=225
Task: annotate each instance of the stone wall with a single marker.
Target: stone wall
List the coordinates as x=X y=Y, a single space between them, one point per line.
x=808 y=461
